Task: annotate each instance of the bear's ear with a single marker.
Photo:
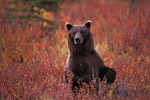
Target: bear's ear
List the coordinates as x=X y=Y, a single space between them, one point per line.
x=88 y=24
x=68 y=26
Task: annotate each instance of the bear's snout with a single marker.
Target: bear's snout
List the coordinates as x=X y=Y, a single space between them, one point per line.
x=78 y=39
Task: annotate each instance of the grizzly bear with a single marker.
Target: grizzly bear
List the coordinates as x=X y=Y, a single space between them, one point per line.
x=83 y=60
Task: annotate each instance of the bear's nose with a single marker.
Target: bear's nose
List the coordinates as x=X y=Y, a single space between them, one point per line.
x=77 y=39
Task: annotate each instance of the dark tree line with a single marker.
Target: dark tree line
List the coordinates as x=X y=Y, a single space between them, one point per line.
x=23 y=10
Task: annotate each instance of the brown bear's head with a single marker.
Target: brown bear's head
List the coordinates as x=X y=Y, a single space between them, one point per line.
x=78 y=33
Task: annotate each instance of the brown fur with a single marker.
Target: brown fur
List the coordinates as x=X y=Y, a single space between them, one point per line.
x=83 y=59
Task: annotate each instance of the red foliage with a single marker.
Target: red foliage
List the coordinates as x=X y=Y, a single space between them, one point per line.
x=32 y=59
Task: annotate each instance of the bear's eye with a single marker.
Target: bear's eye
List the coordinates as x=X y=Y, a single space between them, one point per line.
x=82 y=32
x=74 y=32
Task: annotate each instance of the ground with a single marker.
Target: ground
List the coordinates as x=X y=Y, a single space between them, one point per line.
x=32 y=59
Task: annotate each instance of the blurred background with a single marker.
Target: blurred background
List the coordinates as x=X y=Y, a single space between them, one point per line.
x=33 y=47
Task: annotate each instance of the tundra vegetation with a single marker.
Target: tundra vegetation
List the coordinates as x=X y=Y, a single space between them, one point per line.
x=33 y=49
